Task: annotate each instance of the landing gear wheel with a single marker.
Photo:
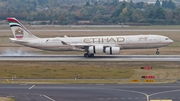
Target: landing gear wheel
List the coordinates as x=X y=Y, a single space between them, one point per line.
x=86 y=55
x=91 y=55
x=157 y=52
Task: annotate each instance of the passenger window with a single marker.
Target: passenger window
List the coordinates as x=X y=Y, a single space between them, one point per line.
x=166 y=38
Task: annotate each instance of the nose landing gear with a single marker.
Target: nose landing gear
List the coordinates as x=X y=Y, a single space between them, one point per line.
x=157 y=52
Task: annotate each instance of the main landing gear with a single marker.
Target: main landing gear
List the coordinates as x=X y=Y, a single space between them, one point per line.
x=157 y=52
x=88 y=55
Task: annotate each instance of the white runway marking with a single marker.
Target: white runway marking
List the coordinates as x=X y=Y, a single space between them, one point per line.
x=49 y=98
x=22 y=84
x=31 y=87
x=99 y=84
x=10 y=96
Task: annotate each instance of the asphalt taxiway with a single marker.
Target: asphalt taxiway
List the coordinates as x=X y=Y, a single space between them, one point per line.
x=91 y=92
x=96 y=58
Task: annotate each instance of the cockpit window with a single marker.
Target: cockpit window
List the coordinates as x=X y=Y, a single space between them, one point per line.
x=166 y=38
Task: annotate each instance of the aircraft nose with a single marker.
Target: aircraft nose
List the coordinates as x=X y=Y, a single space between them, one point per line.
x=171 y=41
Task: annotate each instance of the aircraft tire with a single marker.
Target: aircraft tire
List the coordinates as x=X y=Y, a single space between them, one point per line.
x=91 y=55
x=86 y=55
x=157 y=52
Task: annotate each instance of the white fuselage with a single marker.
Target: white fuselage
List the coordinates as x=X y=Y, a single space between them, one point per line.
x=124 y=42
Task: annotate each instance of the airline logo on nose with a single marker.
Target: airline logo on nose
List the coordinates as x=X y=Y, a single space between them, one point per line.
x=19 y=33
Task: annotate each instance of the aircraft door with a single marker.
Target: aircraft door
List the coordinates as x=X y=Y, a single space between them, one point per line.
x=40 y=42
x=128 y=40
x=158 y=39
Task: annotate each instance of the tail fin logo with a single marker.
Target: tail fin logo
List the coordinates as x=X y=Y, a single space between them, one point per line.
x=19 y=33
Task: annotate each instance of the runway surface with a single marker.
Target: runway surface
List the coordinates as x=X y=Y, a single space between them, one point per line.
x=91 y=92
x=96 y=58
x=106 y=30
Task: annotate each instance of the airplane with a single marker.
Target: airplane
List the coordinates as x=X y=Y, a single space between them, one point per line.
x=90 y=45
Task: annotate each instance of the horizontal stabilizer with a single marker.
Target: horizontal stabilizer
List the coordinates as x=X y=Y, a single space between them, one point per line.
x=18 y=41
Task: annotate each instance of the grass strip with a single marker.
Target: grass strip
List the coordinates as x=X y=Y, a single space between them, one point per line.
x=6 y=99
x=87 y=70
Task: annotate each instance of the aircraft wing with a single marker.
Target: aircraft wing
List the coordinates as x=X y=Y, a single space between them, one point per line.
x=81 y=45
x=76 y=45
x=87 y=45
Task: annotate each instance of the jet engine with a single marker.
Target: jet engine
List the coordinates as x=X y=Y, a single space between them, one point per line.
x=112 y=50
x=96 y=49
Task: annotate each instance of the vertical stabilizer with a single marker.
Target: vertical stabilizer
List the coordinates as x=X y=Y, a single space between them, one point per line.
x=19 y=31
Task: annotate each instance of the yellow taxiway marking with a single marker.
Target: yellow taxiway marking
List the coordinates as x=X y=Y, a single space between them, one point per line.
x=134 y=80
x=149 y=80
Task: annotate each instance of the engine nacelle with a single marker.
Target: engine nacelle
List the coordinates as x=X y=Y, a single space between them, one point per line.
x=95 y=49
x=112 y=50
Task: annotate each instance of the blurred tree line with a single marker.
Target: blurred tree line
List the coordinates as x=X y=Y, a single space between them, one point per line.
x=66 y=12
